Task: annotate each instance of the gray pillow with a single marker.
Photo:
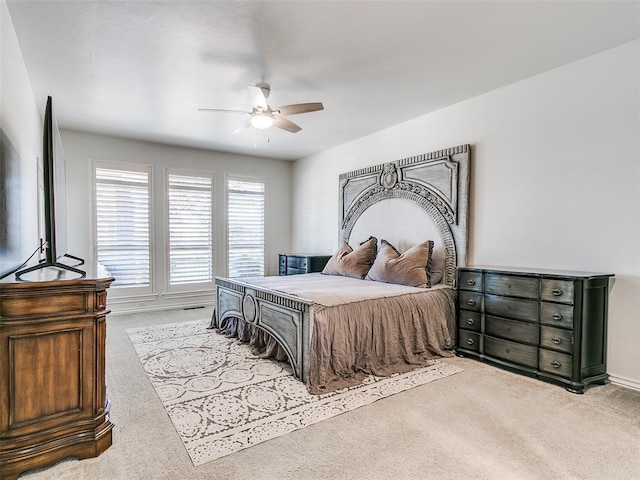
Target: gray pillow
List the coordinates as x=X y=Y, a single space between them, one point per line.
x=411 y=268
x=352 y=263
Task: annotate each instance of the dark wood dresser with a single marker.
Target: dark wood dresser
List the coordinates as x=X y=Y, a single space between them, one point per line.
x=548 y=324
x=294 y=263
x=53 y=400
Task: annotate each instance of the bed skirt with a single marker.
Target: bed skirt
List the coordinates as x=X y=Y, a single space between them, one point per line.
x=262 y=344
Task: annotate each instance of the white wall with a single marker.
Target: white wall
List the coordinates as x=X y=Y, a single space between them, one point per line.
x=555 y=180
x=21 y=123
x=81 y=148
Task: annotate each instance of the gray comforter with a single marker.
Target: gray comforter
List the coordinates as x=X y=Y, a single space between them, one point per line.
x=361 y=327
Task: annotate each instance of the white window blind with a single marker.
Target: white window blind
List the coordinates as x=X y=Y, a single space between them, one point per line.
x=245 y=226
x=122 y=225
x=190 y=228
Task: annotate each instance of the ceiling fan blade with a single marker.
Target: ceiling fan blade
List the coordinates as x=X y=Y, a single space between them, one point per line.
x=223 y=110
x=258 y=99
x=243 y=126
x=285 y=124
x=300 y=108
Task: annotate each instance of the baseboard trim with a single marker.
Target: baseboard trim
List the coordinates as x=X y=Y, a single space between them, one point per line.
x=156 y=308
x=625 y=382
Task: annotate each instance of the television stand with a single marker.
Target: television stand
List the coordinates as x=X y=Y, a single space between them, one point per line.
x=53 y=399
x=55 y=265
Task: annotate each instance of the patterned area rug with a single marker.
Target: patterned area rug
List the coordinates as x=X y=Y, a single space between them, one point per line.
x=222 y=399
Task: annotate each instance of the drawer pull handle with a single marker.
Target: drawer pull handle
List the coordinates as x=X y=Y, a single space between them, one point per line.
x=556 y=316
x=471 y=302
x=555 y=364
x=556 y=341
x=556 y=292
x=471 y=282
x=470 y=321
x=470 y=341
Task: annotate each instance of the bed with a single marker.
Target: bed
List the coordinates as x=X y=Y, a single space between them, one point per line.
x=335 y=330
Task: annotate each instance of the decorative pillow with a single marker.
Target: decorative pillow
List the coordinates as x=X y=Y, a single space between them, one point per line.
x=352 y=263
x=411 y=268
x=436 y=269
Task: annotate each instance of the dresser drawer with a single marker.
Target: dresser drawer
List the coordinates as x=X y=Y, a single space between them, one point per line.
x=511 y=285
x=470 y=300
x=511 y=308
x=555 y=363
x=470 y=281
x=557 y=290
x=469 y=340
x=524 y=332
x=556 y=339
x=556 y=315
x=526 y=355
x=297 y=262
x=295 y=271
x=470 y=320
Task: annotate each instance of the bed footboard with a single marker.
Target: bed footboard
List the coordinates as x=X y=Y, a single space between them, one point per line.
x=288 y=319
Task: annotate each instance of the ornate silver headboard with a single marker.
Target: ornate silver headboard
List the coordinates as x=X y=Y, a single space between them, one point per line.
x=437 y=182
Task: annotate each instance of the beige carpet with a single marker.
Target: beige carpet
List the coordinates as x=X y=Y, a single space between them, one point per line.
x=222 y=399
x=481 y=424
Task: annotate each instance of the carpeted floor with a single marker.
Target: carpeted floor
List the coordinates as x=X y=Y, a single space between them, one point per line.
x=222 y=398
x=482 y=423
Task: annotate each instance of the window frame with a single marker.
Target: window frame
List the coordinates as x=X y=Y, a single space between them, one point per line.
x=188 y=287
x=128 y=291
x=245 y=178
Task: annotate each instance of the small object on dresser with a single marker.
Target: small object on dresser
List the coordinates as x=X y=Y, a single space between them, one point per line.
x=547 y=324
x=294 y=263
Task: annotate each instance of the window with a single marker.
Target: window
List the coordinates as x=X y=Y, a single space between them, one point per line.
x=190 y=231
x=122 y=223
x=245 y=226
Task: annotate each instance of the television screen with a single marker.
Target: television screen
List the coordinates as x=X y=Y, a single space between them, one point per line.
x=54 y=198
x=54 y=188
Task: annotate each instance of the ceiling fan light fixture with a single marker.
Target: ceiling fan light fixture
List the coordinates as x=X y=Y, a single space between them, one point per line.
x=261 y=120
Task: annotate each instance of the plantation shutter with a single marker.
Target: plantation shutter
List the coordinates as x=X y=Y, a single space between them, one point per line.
x=122 y=225
x=246 y=226
x=190 y=229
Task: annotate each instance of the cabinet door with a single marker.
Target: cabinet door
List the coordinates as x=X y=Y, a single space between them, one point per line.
x=554 y=290
x=556 y=315
x=526 y=355
x=470 y=320
x=469 y=280
x=52 y=374
x=556 y=339
x=511 y=285
x=524 y=332
x=507 y=307
x=470 y=300
x=297 y=262
x=469 y=340
x=556 y=363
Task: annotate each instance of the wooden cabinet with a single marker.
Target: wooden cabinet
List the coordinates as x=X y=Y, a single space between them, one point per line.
x=548 y=324
x=53 y=400
x=293 y=263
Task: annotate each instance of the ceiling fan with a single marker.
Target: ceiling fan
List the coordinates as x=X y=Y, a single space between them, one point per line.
x=264 y=116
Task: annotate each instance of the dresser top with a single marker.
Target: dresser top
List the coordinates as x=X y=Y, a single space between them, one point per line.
x=534 y=272
x=49 y=276
x=306 y=254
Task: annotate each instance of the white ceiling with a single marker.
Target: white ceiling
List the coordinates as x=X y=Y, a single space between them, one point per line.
x=141 y=69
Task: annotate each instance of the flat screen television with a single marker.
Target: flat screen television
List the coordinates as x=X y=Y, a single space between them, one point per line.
x=54 y=198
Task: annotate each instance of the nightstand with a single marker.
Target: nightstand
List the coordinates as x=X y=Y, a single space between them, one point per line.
x=294 y=263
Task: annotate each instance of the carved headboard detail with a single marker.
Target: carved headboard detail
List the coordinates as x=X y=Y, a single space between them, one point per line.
x=438 y=182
